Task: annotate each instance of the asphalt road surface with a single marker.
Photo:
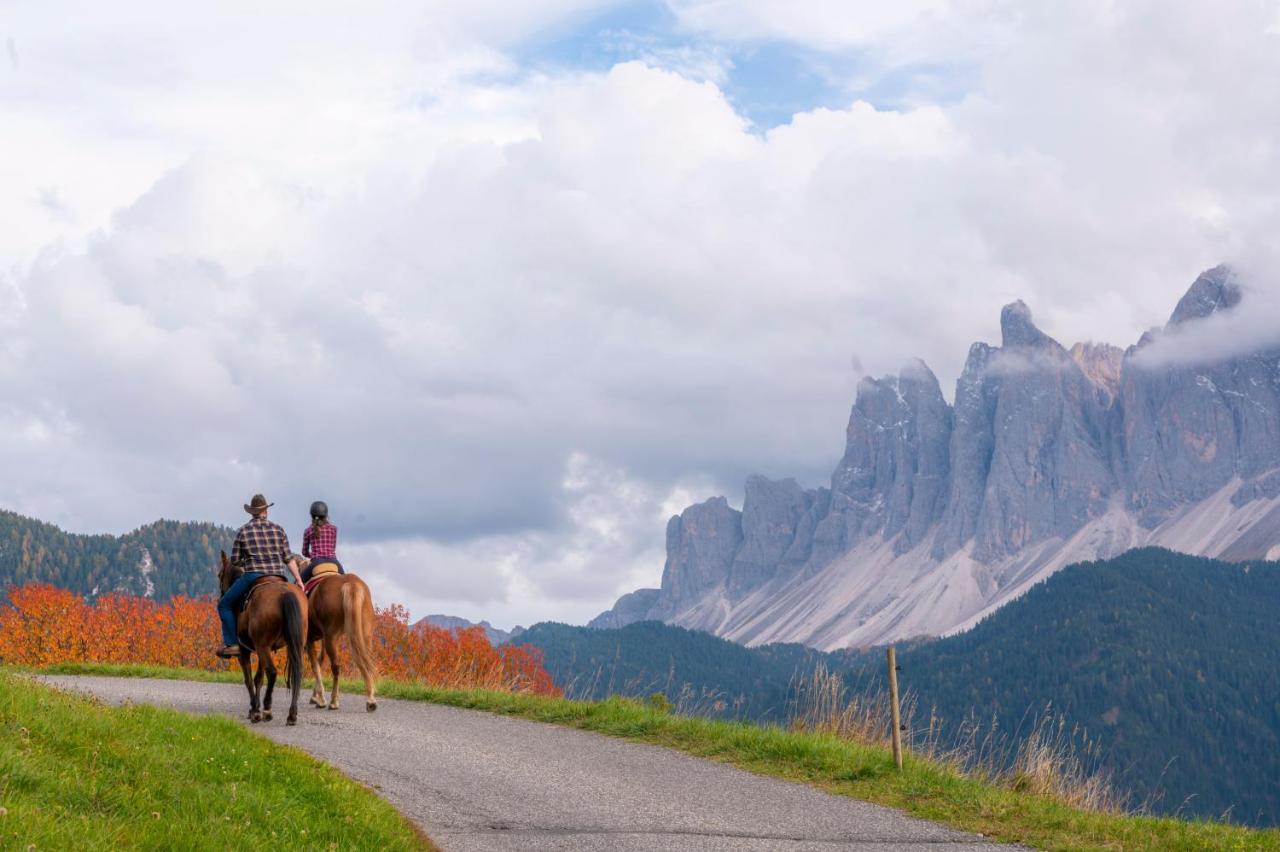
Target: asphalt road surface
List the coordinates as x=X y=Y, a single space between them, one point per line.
x=477 y=781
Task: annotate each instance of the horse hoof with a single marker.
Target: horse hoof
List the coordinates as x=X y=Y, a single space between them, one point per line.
x=255 y=716
x=319 y=703
x=333 y=706
x=292 y=720
x=266 y=715
x=371 y=706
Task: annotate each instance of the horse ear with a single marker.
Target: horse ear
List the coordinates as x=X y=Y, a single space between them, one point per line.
x=223 y=553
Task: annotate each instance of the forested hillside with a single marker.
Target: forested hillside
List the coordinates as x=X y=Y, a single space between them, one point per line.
x=162 y=559
x=1171 y=662
x=692 y=668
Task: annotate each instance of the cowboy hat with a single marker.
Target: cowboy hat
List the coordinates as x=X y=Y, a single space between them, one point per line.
x=257 y=504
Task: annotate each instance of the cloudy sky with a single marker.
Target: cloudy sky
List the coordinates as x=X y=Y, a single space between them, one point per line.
x=508 y=284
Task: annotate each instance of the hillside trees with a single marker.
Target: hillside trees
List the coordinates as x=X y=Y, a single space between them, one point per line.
x=162 y=559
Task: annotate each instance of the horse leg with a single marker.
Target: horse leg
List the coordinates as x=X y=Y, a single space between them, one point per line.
x=317 y=692
x=270 y=665
x=358 y=625
x=331 y=651
x=246 y=668
x=366 y=672
x=360 y=646
x=255 y=693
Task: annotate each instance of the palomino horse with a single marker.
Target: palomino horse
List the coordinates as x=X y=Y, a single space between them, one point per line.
x=273 y=616
x=338 y=604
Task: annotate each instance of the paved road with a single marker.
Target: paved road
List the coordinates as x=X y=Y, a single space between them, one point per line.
x=476 y=781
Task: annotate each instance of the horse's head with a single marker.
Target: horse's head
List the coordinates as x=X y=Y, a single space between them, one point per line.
x=227 y=573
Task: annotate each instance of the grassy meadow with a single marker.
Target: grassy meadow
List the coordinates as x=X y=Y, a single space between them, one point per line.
x=1017 y=809
x=76 y=774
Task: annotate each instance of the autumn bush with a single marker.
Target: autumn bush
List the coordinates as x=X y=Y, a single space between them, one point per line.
x=42 y=625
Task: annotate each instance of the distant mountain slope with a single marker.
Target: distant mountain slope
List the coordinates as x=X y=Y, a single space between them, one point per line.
x=160 y=560
x=1172 y=663
x=723 y=678
x=495 y=635
x=939 y=513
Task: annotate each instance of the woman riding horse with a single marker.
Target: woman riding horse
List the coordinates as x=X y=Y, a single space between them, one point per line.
x=320 y=544
x=337 y=605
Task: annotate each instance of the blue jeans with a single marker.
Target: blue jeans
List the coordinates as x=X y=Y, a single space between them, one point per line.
x=230 y=602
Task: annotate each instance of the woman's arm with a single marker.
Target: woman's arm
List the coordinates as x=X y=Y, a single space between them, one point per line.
x=293 y=569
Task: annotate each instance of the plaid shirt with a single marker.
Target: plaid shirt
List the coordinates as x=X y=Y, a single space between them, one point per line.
x=261 y=546
x=320 y=543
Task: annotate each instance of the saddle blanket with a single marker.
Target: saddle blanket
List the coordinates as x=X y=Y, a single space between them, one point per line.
x=315 y=581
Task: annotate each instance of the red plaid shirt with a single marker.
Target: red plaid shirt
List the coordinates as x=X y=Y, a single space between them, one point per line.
x=320 y=543
x=261 y=545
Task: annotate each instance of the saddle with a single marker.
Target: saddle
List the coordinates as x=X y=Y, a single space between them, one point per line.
x=318 y=576
x=244 y=604
x=318 y=573
x=259 y=583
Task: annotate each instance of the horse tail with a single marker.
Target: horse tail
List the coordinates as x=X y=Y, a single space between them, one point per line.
x=293 y=641
x=357 y=617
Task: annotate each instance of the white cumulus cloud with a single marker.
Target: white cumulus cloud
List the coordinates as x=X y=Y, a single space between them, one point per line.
x=505 y=320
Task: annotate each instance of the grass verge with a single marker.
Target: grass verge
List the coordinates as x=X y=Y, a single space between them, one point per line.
x=75 y=774
x=922 y=789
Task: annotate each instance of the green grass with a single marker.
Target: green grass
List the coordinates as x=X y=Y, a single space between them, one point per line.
x=922 y=789
x=75 y=774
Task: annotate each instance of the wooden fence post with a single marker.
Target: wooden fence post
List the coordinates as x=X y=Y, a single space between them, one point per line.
x=894 y=711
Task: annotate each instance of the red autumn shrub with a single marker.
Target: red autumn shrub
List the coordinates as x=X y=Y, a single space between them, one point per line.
x=42 y=625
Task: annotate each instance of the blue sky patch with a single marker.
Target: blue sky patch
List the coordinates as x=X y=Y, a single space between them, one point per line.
x=768 y=82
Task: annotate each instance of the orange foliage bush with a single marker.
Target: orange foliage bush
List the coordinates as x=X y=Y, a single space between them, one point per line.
x=43 y=625
x=453 y=658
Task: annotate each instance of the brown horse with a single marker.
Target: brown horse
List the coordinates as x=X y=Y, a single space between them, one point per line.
x=273 y=617
x=340 y=604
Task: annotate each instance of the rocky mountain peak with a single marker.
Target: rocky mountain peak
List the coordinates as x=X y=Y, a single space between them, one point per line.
x=1215 y=290
x=1017 y=327
x=1101 y=364
x=916 y=370
x=701 y=544
x=938 y=513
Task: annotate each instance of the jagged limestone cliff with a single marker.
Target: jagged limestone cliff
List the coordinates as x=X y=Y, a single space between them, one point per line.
x=939 y=513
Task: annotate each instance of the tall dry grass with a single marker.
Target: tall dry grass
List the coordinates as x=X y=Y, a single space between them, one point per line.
x=682 y=699
x=1054 y=759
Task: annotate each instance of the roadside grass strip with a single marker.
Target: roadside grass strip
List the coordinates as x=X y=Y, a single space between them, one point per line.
x=75 y=774
x=923 y=789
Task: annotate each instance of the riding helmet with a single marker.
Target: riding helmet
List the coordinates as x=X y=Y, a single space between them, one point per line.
x=319 y=509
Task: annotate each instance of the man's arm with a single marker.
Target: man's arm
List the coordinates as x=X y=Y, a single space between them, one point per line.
x=288 y=557
x=239 y=552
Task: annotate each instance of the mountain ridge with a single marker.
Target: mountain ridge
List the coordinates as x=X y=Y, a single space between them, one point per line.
x=939 y=512
x=159 y=559
x=495 y=635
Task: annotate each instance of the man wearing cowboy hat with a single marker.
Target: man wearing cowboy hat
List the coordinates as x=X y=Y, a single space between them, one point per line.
x=262 y=547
